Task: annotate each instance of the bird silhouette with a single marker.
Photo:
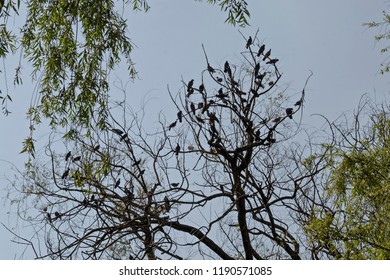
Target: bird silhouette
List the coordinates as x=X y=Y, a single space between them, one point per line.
x=175 y=184
x=67 y=156
x=117 y=183
x=210 y=69
x=167 y=204
x=172 y=125
x=261 y=50
x=117 y=131
x=190 y=84
x=201 y=88
x=272 y=61
x=298 y=103
x=177 y=149
x=249 y=42
x=192 y=106
x=257 y=68
x=180 y=116
x=289 y=112
x=267 y=54
x=76 y=158
x=96 y=148
x=65 y=174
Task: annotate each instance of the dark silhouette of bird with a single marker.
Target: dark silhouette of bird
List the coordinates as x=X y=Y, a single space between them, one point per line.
x=57 y=215
x=123 y=137
x=65 y=174
x=249 y=42
x=93 y=198
x=189 y=85
x=289 y=112
x=192 y=106
x=219 y=80
x=226 y=67
x=267 y=54
x=199 y=119
x=117 y=183
x=117 y=131
x=201 y=88
x=76 y=158
x=298 y=103
x=177 y=149
x=48 y=217
x=96 y=148
x=261 y=50
x=200 y=105
x=257 y=68
x=67 y=156
x=272 y=61
x=221 y=95
x=210 y=69
x=137 y=162
x=167 y=204
x=172 y=125
x=142 y=172
x=180 y=116
x=175 y=184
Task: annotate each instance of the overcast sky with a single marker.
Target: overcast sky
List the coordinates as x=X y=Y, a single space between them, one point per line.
x=326 y=37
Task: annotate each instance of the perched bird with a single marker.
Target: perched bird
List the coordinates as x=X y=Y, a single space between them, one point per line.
x=175 y=184
x=190 y=84
x=167 y=204
x=65 y=174
x=210 y=69
x=249 y=42
x=57 y=214
x=226 y=67
x=180 y=116
x=257 y=68
x=267 y=54
x=96 y=148
x=201 y=88
x=48 y=217
x=117 y=183
x=192 y=106
x=142 y=172
x=199 y=119
x=76 y=158
x=298 y=103
x=123 y=137
x=67 y=156
x=190 y=147
x=172 y=125
x=261 y=50
x=117 y=131
x=177 y=149
x=272 y=61
x=289 y=112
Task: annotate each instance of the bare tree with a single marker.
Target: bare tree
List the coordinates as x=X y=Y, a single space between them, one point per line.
x=223 y=180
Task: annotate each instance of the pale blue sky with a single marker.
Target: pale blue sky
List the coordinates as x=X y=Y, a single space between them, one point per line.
x=326 y=37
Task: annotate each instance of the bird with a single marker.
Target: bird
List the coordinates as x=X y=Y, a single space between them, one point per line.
x=267 y=54
x=257 y=68
x=76 y=158
x=189 y=85
x=65 y=174
x=190 y=147
x=199 y=119
x=201 y=88
x=172 y=125
x=249 y=42
x=200 y=105
x=210 y=69
x=117 y=131
x=298 y=103
x=180 y=116
x=48 y=217
x=123 y=137
x=261 y=50
x=192 y=106
x=167 y=204
x=174 y=185
x=177 y=149
x=96 y=148
x=67 y=156
x=289 y=112
x=117 y=183
x=57 y=214
x=272 y=61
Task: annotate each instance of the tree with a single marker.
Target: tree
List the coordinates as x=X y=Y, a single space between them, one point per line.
x=352 y=223
x=224 y=180
x=72 y=47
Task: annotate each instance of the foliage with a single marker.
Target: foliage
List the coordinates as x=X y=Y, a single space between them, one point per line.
x=72 y=47
x=355 y=223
